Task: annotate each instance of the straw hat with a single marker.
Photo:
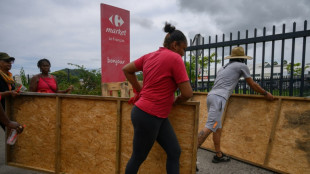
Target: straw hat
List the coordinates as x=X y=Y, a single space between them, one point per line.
x=238 y=53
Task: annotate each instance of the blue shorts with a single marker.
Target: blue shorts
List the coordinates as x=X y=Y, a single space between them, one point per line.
x=216 y=106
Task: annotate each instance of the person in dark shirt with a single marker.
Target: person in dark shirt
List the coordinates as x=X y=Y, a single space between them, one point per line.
x=7 y=84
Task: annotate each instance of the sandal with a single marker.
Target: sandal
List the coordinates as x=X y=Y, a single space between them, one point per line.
x=223 y=158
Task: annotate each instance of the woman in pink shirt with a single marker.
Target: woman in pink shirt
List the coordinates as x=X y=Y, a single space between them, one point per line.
x=45 y=82
x=163 y=72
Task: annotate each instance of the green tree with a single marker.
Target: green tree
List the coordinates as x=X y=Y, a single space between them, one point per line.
x=62 y=79
x=23 y=78
x=296 y=69
x=89 y=81
x=201 y=62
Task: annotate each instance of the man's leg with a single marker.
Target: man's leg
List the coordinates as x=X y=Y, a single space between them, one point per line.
x=219 y=157
x=203 y=135
x=217 y=141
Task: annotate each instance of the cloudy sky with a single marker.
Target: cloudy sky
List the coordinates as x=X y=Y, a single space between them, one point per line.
x=68 y=31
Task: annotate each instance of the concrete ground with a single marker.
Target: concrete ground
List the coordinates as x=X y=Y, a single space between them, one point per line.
x=204 y=164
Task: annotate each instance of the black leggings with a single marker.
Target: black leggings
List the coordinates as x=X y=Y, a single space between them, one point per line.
x=147 y=129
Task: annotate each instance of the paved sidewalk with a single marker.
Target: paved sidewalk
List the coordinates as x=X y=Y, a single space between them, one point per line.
x=204 y=164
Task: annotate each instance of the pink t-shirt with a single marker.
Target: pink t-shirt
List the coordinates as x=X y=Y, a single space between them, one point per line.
x=46 y=85
x=162 y=71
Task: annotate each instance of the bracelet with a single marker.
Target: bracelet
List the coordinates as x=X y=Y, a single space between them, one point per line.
x=265 y=93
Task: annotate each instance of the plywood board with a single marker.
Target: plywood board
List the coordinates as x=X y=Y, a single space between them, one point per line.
x=247 y=128
x=88 y=136
x=182 y=118
x=291 y=146
x=35 y=147
x=270 y=134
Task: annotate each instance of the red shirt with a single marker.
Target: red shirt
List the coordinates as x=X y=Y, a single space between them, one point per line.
x=162 y=71
x=46 y=85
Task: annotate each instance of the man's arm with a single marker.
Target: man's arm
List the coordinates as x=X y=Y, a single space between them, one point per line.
x=257 y=88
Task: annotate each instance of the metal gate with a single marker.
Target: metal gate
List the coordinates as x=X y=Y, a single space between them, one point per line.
x=288 y=77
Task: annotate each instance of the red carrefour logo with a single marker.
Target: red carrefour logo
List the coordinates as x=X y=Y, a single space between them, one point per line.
x=116 y=20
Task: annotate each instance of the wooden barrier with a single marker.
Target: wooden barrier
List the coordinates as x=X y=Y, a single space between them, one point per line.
x=270 y=134
x=90 y=134
x=118 y=89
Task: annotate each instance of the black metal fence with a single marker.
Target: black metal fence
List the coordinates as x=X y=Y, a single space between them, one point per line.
x=281 y=61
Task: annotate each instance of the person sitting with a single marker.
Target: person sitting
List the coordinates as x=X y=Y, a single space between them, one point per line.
x=45 y=82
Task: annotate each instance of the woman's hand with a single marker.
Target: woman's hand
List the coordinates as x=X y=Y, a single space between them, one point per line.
x=69 y=89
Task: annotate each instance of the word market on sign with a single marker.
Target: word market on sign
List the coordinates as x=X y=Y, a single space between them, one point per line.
x=116 y=31
x=115 y=61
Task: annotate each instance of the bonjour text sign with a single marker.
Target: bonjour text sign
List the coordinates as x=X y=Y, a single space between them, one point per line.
x=115 y=43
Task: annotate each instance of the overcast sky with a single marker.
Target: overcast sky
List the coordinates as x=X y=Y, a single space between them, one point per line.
x=68 y=31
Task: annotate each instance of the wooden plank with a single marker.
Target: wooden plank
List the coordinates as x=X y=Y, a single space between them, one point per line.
x=8 y=104
x=124 y=90
x=25 y=166
x=259 y=96
x=58 y=136
x=114 y=86
x=272 y=133
x=118 y=137
x=195 y=139
x=130 y=88
x=104 y=89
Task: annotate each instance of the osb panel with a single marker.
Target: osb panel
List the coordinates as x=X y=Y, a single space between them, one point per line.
x=247 y=127
x=182 y=118
x=291 y=146
x=203 y=116
x=35 y=147
x=88 y=136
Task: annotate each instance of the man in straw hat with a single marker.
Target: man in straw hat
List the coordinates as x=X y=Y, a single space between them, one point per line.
x=225 y=82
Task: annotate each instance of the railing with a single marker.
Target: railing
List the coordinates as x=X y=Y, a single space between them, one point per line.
x=257 y=47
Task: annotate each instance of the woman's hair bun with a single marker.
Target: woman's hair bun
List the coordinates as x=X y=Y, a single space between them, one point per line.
x=169 y=28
